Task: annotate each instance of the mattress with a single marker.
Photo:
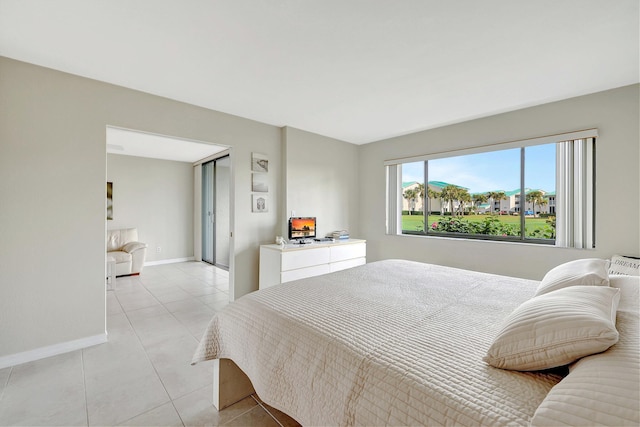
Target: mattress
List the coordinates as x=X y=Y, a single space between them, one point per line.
x=392 y=342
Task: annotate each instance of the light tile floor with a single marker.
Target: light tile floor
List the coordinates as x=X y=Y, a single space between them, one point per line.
x=143 y=375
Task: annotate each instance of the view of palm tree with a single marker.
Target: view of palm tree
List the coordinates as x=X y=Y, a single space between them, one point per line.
x=411 y=195
x=479 y=199
x=536 y=197
x=420 y=194
x=450 y=194
x=432 y=194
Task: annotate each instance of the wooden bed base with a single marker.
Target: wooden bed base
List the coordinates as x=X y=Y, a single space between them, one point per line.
x=230 y=384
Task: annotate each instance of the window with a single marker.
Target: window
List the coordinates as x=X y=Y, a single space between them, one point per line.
x=535 y=191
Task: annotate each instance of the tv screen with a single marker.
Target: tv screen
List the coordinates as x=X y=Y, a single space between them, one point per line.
x=302 y=228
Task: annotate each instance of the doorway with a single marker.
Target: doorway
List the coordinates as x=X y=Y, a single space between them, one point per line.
x=216 y=184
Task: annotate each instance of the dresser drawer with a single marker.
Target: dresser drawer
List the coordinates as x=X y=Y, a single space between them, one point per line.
x=343 y=265
x=344 y=252
x=302 y=273
x=304 y=258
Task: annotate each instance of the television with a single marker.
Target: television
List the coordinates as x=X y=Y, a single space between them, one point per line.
x=301 y=228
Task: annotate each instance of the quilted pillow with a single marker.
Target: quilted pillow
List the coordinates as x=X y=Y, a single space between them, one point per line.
x=556 y=329
x=583 y=272
x=624 y=265
x=601 y=389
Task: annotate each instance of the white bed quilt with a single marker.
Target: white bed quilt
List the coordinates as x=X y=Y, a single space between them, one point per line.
x=388 y=343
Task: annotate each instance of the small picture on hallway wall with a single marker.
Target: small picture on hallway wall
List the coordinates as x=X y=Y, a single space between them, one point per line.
x=259 y=203
x=259 y=183
x=110 y=200
x=259 y=162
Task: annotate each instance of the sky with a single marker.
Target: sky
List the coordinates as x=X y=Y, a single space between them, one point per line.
x=497 y=170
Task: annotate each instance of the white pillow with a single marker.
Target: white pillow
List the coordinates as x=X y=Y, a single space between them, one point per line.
x=624 y=265
x=556 y=329
x=582 y=272
x=629 y=292
x=601 y=389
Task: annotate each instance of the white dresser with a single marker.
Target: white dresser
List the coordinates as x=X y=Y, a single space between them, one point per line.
x=283 y=264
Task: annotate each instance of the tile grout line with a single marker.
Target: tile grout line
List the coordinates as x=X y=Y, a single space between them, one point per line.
x=163 y=306
x=155 y=370
x=126 y=314
x=150 y=362
x=191 y=296
x=152 y=409
x=84 y=385
x=172 y=313
x=244 y=413
x=177 y=412
x=197 y=340
x=267 y=411
x=149 y=358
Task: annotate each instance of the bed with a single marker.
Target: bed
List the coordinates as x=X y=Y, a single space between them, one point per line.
x=397 y=342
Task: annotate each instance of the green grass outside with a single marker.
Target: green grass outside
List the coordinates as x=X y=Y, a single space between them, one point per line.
x=416 y=222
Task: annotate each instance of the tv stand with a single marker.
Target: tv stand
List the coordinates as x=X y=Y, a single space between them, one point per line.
x=296 y=261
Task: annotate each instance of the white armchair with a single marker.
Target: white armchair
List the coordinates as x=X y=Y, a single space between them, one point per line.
x=129 y=254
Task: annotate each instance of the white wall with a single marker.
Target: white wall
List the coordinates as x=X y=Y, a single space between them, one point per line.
x=616 y=115
x=156 y=197
x=52 y=186
x=321 y=180
x=222 y=212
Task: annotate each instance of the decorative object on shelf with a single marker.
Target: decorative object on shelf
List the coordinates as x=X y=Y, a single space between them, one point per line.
x=339 y=234
x=109 y=200
x=259 y=203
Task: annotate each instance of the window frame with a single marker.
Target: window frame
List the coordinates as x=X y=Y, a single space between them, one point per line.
x=575 y=178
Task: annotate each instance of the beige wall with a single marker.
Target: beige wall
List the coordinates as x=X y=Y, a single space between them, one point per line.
x=615 y=113
x=53 y=167
x=52 y=186
x=156 y=197
x=321 y=180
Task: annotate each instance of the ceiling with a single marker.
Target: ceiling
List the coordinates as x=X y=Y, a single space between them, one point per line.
x=141 y=144
x=355 y=70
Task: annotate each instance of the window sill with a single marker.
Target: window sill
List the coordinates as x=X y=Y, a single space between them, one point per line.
x=490 y=241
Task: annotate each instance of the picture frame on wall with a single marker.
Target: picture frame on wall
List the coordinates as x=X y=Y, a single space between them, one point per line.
x=259 y=203
x=259 y=182
x=109 y=200
x=259 y=162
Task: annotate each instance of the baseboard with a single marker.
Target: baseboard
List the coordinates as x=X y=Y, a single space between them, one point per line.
x=168 y=261
x=51 y=350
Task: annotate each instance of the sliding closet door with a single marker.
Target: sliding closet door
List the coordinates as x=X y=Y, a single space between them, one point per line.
x=208 y=216
x=216 y=185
